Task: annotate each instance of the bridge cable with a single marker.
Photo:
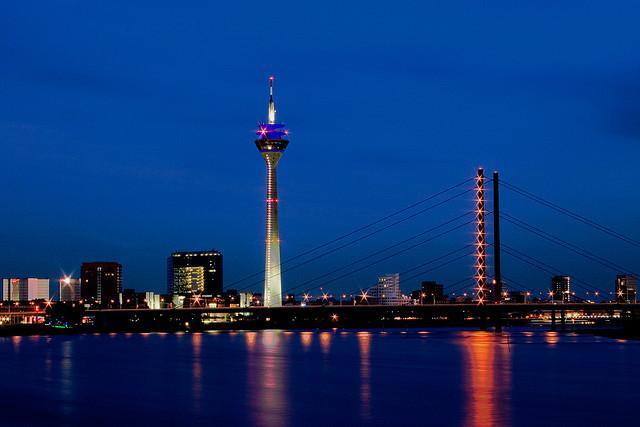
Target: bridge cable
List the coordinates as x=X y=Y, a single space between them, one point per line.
x=378 y=252
x=548 y=268
x=367 y=226
x=571 y=214
x=422 y=242
x=349 y=243
x=431 y=269
x=567 y=245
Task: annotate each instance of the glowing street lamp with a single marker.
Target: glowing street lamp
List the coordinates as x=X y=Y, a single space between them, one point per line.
x=196 y=300
x=363 y=296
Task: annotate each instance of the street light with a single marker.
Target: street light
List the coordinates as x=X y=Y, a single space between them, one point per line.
x=325 y=295
x=363 y=296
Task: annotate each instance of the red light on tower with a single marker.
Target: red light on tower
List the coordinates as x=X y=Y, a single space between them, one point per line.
x=481 y=240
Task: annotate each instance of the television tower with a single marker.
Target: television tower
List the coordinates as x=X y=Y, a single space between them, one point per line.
x=271 y=143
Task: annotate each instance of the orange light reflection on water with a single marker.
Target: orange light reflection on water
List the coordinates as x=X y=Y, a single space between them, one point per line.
x=487 y=360
x=306 y=339
x=364 y=344
x=325 y=342
x=551 y=338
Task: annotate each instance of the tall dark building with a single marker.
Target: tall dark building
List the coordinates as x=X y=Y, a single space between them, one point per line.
x=561 y=288
x=101 y=281
x=197 y=272
x=626 y=288
x=430 y=293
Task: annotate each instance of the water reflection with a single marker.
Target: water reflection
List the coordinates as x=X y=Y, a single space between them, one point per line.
x=325 y=342
x=66 y=380
x=306 y=339
x=551 y=338
x=364 y=344
x=196 y=370
x=250 y=340
x=48 y=365
x=15 y=341
x=487 y=374
x=267 y=368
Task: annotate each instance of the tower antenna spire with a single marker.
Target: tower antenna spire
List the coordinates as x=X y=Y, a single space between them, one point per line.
x=272 y=104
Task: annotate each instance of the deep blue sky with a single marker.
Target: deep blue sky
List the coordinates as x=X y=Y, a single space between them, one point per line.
x=126 y=128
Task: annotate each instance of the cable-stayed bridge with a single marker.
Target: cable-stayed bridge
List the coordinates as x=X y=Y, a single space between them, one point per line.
x=485 y=253
x=478 y=294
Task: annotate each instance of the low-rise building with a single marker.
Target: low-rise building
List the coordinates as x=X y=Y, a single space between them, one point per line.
x=387 y=291
x=25 y=289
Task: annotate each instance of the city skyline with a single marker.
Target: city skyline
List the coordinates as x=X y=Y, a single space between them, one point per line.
x=545 y=114
x=453 y=238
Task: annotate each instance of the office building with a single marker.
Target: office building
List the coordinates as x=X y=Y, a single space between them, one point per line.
x=561 y=289
x=69 y=289
x=271 y=143
x=387 y=291
x=25 y=289
x=101 y=282
x=626 y=288
x=195 y=273
x=430 y=292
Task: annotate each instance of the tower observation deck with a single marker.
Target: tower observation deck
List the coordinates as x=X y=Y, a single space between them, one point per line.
x=271 y=143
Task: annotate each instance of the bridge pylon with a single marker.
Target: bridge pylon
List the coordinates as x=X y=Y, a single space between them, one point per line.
x=480 y=241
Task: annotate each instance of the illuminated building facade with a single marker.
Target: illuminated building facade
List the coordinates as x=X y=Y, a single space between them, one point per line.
x=69 y=289
x=387 y=291
x=246 y=299
x=195 y=273
x=626 y=288
x=101 y=282
x=153 y=300
x=561 y=288
x=271 y=143
x=25 y=289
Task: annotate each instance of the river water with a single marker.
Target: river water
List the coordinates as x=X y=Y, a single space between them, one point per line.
x=434 y=377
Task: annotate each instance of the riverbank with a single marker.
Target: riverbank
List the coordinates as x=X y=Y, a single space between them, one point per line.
x=615 y=332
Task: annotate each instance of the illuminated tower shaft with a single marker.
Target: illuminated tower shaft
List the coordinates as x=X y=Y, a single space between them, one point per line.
x=272 y=273
x=481 y=240
x=271 y=143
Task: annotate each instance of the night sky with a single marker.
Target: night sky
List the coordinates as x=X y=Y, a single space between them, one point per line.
x=126 y=130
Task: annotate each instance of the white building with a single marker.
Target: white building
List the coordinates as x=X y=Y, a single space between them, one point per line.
x=387 y=291
x=25 y=289
x=69 y=289
x=245 y=299
x=153 y=300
